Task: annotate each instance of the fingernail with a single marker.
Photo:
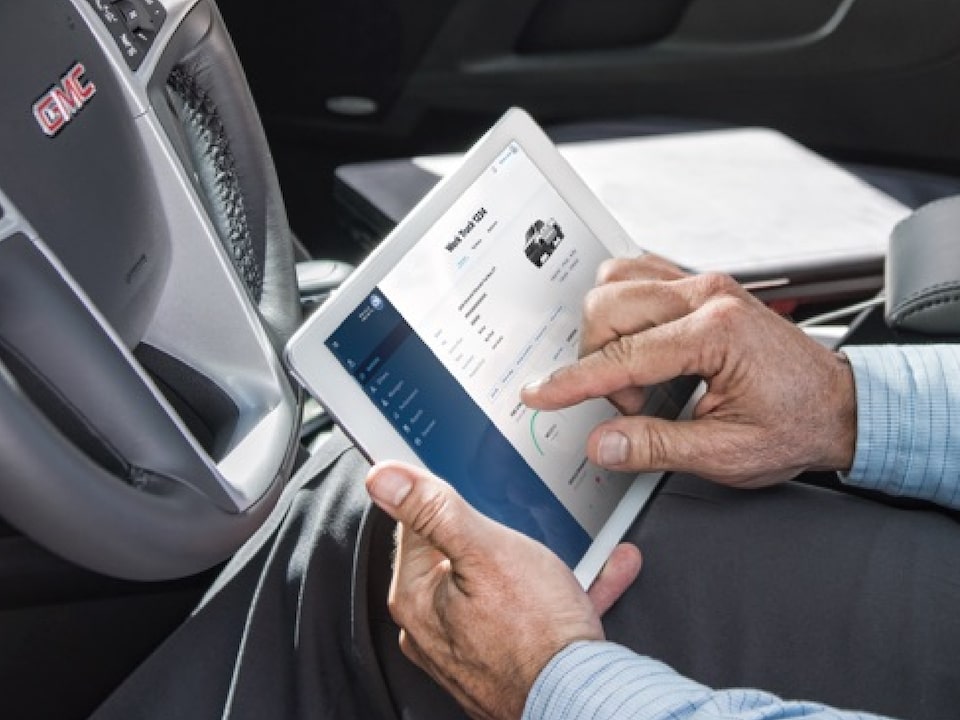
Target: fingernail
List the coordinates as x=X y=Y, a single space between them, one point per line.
x=391 y=487
x=614 y=448
x=535 y=385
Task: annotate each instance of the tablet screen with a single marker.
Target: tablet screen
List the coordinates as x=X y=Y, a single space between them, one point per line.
x=486 y=301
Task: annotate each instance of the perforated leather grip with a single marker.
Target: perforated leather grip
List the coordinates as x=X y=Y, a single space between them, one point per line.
x=923 y=270
x=237 y=175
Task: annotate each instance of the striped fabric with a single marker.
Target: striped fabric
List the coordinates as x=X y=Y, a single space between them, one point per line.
x=603 y=681
x=907 y=442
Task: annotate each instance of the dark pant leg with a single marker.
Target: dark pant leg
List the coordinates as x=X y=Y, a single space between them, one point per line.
x=413 y=693
x=283 y=634
x=809 y=593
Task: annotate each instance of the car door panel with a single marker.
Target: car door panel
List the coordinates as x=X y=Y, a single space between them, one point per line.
x=574 y=25
x=866 y=78
x=863 y=76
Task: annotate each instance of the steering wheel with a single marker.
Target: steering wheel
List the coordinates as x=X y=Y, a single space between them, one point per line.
x=147 y=284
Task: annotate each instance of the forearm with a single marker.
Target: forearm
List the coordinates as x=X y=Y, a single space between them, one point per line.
x=604 y=681
x=908 y=421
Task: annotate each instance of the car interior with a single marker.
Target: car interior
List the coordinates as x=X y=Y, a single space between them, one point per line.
x=175 y=197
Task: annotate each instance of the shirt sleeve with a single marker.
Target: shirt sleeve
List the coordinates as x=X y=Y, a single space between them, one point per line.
x=908 y=421
x=603 y=681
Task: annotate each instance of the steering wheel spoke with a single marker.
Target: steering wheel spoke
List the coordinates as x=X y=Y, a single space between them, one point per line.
x=131 y=252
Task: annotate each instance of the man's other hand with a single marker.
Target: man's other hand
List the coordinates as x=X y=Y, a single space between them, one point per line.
x=777 y=403
x=483 y=608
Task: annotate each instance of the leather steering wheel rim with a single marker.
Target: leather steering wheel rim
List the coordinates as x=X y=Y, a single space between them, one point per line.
x=97 y=462
x=236 y=175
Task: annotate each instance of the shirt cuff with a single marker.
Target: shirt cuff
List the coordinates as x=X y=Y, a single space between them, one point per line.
x=906 y=443
x=603 y=681
x=599 y=679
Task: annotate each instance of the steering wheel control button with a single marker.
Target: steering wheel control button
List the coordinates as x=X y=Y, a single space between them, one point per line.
x=133 y=24
x=108 y=14
x=149 y=14
x=135 y=18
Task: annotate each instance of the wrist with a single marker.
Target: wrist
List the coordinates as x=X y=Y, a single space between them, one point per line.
x=841 y=425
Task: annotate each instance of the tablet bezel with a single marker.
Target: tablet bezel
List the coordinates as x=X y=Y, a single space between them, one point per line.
x=322 y=374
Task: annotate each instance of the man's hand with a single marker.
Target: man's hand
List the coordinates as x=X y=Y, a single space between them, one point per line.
x=777 y=402
x=482 y=608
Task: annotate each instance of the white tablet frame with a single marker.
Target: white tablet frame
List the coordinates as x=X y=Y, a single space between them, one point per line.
x=322 y=374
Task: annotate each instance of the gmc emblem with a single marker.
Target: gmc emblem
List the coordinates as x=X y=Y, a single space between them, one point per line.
x=60 y=103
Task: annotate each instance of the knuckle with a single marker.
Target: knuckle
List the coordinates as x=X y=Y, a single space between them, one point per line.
x=654 y=452
x=610 y=270
x=620 y=269
x=405 y=606
x=617 y=364
x=431 y=513
x=659 y=268
x=723 y=313
x=395 y=606
x=407 y=647
x=410 y=649
x=619 y=352
x=410 y=604
x=714 y=284
x=593 y=306
x=643 y=267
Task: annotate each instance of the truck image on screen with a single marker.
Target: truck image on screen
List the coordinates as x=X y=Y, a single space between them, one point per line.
x=543 y=237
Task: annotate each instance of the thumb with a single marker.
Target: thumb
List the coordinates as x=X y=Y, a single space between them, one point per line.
x=641 y=444
x=427 y=506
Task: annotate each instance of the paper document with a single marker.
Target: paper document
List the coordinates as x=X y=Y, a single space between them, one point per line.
x=741 y=201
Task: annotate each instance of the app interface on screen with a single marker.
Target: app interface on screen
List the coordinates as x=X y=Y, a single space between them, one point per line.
x=487 y=301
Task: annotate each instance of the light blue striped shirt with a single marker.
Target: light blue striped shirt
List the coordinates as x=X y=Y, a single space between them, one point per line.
x=907 y=444
x=604 y=681
x=908 y=421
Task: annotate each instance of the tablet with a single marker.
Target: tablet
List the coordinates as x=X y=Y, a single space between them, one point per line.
x=421 y=354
